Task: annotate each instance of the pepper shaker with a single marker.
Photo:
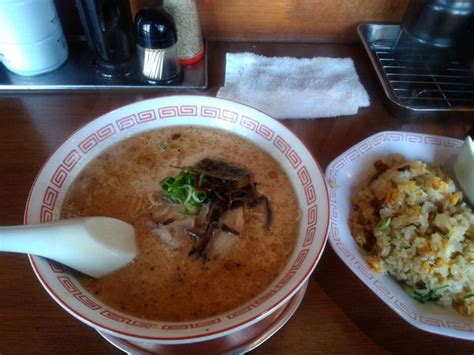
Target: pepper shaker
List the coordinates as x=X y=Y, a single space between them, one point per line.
x=156 y=45
x=190 y=43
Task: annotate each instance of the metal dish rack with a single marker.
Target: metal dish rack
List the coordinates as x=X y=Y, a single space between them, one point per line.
x=416 y=77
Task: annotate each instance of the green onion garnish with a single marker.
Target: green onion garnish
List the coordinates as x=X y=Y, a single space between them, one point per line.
x=425 y=295
x=384 y=226
x=181 y=190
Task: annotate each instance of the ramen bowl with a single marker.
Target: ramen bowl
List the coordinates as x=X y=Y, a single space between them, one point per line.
x=51 y=185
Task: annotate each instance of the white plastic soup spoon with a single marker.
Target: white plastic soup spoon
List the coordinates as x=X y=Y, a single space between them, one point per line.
x=95 y=246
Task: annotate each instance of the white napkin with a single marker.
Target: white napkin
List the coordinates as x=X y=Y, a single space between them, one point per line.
x=285 y=87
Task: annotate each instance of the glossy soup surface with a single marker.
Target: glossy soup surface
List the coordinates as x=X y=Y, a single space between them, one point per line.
x=166 y=283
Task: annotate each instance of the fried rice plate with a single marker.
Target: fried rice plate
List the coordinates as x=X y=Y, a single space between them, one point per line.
x=413 y=224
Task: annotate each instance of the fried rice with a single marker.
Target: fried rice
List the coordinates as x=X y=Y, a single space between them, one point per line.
x=414 y=225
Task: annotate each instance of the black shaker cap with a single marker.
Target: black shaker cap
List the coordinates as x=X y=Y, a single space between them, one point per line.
x=155 y=28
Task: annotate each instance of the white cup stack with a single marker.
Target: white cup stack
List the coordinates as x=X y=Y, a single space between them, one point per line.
x=31 y=37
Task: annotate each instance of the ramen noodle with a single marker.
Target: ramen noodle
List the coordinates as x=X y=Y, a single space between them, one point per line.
x=168 y=281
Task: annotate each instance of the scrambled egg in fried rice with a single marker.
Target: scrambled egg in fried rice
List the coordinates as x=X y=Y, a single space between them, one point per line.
x=414 y=225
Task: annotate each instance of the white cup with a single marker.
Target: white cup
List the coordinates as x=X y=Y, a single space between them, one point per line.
x=26 y=21
x=35 y=58
x=31 y=37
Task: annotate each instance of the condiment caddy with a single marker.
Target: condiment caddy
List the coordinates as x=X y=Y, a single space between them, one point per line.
x=77 y=74
x=114 y=53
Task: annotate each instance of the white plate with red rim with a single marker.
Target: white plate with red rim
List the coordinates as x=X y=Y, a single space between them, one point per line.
x=346 y=174
x=50 y=187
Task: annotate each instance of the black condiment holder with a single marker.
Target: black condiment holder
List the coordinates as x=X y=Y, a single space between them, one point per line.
x=157 y=50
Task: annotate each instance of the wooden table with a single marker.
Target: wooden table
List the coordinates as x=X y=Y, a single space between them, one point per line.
x=338 y=314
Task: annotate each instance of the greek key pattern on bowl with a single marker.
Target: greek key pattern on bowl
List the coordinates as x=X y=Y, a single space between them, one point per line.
x=383 y=289
x=431 y=321
x=69 y=285
x=283 y=146
x=200 y=324
x=56 y=267
x=358 y=263
x=59 y=176
x=121 y=319
x=311 y=230
x=87 y=145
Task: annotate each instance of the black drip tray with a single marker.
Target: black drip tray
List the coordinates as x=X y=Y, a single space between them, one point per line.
x=79 y=74
x=418 y=77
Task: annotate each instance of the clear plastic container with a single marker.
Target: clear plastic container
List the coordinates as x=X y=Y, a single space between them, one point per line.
x=157 y=46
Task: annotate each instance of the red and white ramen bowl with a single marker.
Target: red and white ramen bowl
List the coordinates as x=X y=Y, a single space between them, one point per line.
x=52 y=183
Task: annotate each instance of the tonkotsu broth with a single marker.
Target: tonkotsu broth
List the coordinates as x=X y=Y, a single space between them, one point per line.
x=165 y=284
